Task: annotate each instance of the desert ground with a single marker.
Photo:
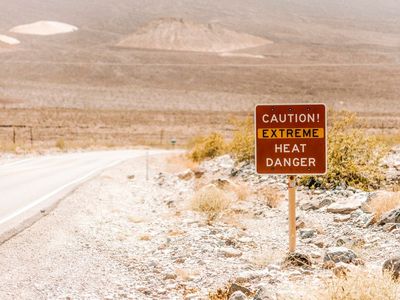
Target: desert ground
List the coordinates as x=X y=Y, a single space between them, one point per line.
x=83 y=75
x=134 y=95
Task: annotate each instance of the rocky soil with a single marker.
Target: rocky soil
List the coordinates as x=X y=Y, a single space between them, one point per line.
x=122 y=236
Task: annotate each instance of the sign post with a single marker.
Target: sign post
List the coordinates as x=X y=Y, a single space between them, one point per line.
x=292 y=213
x=291 y=139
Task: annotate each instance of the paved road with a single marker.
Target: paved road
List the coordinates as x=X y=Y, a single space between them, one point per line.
x=28 y=186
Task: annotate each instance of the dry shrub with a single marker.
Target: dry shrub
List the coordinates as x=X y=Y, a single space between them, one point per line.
x=8 y=147
x=271 y=196
x=361 y=285
x=210 y=200
x=209 y=146
x=60 y=144
x=242 y=145
x=381 y=205
x=353 y=157
x=388 y=139
x=144 y=237
x=242 y=191
x=179 y=163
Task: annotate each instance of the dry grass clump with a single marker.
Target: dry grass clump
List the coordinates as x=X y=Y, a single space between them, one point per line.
x=271 y=196
x=144 y=237
x=179 y=163
x=381 y=205
x=242 y=191
x=361 y=285
x=353 y=156
x=210 y=200
x=209 y=146
x=60 y=144
x=242 y=145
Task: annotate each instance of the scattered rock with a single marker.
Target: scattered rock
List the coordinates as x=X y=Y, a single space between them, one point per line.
x=341 y=270
x=231 y=252
x=236 y=287
x=349 y=205
x=251 y=275
x=319 y=202
x=343 y=241
x=307 y=233
x=340 y=254
x=392 y=266
x=392 y=216
x=297 y=259
x=263 y=293
x=320 y=243
x=238 y=296
x=223 y=183
x=341 y=218
x=198 y=173
x=186 y=175
x=328 y=265
x=300 y=224
x=389 y=227
x=170 y=276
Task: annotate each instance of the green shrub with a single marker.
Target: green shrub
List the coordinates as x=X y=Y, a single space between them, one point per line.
x=353 y=157
x=209 y=146
x=242 y=145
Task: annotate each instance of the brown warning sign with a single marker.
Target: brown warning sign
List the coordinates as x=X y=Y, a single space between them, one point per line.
x=291 y=139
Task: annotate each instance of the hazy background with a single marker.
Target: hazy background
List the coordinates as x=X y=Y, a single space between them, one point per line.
x=343 y=53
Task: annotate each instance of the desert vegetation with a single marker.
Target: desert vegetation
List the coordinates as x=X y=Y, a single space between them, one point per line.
x=354 y=156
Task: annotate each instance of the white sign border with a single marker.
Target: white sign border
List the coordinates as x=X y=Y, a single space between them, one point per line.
x=292 y=174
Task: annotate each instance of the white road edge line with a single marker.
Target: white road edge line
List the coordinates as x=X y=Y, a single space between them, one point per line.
x=15 y=163
x=46 y=197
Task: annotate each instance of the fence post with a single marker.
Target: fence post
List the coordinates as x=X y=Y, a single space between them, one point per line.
x=31 y=131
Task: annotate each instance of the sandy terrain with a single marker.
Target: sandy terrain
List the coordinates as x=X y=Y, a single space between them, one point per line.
x=120 y=236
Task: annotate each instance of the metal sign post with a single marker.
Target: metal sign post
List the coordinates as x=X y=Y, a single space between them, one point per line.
x=291 y=139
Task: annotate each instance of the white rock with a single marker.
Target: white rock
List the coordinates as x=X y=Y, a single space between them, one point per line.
x=238 y=295
x=349 y=205
x=250 y=275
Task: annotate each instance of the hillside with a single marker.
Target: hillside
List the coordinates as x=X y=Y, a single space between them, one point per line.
x=185 y=35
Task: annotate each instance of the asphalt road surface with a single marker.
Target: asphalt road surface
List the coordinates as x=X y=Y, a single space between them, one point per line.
x=29 y=186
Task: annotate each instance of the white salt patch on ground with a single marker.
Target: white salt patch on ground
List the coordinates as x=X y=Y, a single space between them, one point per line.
x=8 y=40
x=44 y=28
x=245 y=55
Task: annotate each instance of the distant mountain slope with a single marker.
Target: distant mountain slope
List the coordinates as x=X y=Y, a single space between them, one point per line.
x=316 y=21
x=184 y=35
